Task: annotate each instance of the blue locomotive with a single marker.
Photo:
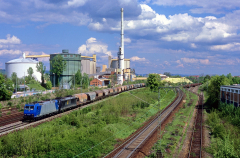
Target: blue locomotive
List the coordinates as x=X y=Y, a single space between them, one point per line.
x=48 y=107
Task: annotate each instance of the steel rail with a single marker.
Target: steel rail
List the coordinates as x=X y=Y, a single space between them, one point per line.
x=14 y=126
x=174 y=104
x=200 y=103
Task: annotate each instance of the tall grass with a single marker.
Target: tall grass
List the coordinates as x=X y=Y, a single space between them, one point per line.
x=100 y=127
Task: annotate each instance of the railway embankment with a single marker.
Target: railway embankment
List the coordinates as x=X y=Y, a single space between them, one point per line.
x=222 y=131
x=90 y=132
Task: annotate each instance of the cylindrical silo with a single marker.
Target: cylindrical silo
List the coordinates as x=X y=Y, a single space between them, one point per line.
x=20 y=66
x=114 y=64
x=86 y=66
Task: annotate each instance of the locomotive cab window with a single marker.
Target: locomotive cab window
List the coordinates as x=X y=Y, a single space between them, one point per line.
x=26 y=107
x=31 y=107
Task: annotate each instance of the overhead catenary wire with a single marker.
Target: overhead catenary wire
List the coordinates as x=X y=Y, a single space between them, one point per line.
x=119 y=132
x=134 y=149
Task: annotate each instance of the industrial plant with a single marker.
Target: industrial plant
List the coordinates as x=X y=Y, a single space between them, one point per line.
x=120 y=67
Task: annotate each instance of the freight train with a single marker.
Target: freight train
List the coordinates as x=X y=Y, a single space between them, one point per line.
x=191 y=85
x=38 y=110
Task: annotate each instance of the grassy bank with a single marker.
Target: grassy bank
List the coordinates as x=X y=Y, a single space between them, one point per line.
x=90 y=132
x=224 y=124
x=173 y=132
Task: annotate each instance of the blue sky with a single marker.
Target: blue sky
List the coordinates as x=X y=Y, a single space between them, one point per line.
x=181 y=37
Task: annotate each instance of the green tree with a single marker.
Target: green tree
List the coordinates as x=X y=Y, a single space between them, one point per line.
x=85 y=81
x=236 y=80
x=49 y=85
x=6 y=88
x=214 y=89
x=167 y=74
x=78 y=78
x=30 y=73
x=206 y=78
x=153 y=81
x=14 y=77
x=47 y=77
x=58 y=66
x=41 y=69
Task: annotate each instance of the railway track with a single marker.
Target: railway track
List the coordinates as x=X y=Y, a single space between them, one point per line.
x=5 y=120
x=12 y=126
x=17 y=125
x=195 y=149
x=130 y=148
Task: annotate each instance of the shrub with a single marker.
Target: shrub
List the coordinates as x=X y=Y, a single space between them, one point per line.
x=18 y=106
x=9 y=103
x=1 y=106
x=49 y=85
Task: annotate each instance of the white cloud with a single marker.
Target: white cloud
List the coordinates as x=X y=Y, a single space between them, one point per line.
x=10 y=40
x=203 y=6
x=127 y=40
x=93 y=46
x=167 y=63
x=147 y=12
x=180 y=65
x=193 y=45
x=189 y=60
x=178 y=61
x=195 y=61
x=10 y=52
x=229 y=47
x=204 y=61
x=178 y=27
x=76 y=3
x=136 y=58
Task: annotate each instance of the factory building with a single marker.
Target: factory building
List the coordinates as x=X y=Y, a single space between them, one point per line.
x=88 y=63
x=113 y=66
x=20 y=66
x=100 y=82
x=73 y=62
x=113 y=63
x=230 y=94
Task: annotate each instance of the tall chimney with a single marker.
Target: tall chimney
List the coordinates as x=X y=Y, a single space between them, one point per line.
x=121 y=52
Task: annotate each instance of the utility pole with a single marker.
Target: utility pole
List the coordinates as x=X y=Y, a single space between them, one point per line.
x=16 y=84
x=81 y=84
x=24 y=86
x=54 y=80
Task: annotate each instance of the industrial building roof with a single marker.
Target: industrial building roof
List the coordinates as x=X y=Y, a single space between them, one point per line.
x=232 y=86
x=100 y=73
x=22 y=60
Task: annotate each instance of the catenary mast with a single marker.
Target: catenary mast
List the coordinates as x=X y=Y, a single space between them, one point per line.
x=121 y=53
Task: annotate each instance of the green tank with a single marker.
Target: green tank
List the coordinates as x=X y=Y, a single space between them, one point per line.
x=73 y=62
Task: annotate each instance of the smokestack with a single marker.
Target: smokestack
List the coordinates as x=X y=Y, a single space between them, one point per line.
x=121 y=52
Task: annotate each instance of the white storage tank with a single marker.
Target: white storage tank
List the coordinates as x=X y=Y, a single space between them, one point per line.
x=20 y=66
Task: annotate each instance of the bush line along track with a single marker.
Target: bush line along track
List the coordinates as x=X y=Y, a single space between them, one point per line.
x=195 y=148
x=132 y=145
x=8 y=128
